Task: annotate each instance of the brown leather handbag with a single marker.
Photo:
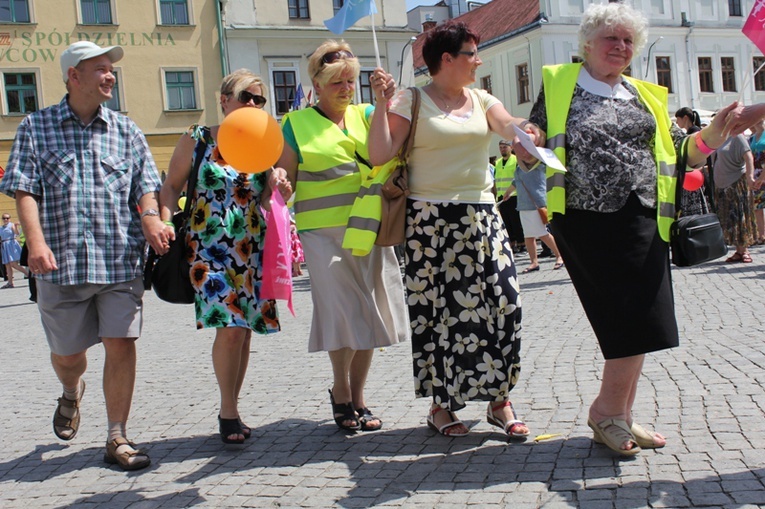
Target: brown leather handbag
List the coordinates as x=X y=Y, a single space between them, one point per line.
x=395 y=190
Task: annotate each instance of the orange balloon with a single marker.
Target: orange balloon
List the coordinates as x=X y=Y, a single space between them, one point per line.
x=249 y=139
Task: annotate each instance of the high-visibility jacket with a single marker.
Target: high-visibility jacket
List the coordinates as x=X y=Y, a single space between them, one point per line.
x=504 y=171
x=559 y=82
x=332 y=167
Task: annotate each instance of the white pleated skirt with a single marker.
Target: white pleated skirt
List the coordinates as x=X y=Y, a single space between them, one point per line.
x=358 y=301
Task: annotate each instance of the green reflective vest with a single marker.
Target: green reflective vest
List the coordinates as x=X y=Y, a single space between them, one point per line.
x=330 y=174
x=559 y=82
x=504 y=171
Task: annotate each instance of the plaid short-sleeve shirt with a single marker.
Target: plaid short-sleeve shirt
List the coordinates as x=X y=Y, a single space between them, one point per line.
x=88 y=180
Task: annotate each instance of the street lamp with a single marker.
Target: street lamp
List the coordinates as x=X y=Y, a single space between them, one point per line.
x=650 y=48
x=401 y=65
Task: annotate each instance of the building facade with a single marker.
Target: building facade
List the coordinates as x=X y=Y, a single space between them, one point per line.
x=275 y=39
x=166 y=81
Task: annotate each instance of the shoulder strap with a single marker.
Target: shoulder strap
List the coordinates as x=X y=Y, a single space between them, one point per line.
x=407 y=147
x=199 y=154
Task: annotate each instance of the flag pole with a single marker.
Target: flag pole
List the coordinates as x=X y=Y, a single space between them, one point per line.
x=374 y=38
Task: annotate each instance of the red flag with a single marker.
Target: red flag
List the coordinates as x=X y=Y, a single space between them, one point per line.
x=754 y=28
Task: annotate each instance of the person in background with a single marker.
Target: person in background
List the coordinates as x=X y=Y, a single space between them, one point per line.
x=226 y=238
x=688 y=119
x=693 y=202
x=461 y=279
x=86 y=236
x=507 y=199
x=757 y=144
x=614 y=135
x=357 y=300
x=10 y=249
x=734 y=180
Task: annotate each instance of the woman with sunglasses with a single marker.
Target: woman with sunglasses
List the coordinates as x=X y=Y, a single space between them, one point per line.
x=10 y=249
x=226 y=238
x=460 y=273
x=357 y=300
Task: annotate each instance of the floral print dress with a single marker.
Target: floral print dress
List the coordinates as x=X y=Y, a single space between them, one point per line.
x=225 y=240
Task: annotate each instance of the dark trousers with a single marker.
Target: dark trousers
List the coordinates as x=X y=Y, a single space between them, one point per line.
x=512 y=219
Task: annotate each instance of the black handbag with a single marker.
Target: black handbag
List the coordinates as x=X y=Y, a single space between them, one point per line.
x=697 y=238
x=169 y=274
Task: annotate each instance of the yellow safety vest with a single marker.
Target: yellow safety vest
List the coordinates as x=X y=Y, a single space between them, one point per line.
x=330 y=175
x=504 y=172
x=559 y=83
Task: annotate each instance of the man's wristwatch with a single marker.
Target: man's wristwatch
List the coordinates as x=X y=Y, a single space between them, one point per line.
x=149 y=212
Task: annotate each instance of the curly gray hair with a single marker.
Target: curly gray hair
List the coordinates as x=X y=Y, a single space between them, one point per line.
x=611 y=15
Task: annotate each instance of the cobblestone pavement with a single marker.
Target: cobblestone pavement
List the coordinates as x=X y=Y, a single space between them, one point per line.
x=706 y=396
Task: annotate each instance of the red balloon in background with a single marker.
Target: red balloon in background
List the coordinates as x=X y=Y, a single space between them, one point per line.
x=693 y=180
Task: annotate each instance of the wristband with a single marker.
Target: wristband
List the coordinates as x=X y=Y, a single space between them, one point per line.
x=169 y=223
x=703 y=147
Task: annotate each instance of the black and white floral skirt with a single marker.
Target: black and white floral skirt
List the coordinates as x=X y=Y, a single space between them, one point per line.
x=464 y=303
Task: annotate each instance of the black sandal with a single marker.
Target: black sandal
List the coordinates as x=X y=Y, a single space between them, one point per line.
x=365 y=416
x=228 y=427
x=342 y=412
x=246 y=430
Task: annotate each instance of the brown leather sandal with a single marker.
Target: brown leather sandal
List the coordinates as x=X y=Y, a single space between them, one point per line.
x=125 y=459
x=64 y=427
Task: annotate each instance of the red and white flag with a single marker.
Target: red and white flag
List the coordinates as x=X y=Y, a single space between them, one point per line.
x=754 y=28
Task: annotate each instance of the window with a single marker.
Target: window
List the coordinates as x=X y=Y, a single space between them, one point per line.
x=705 y=75
x=299 y=9
x=174 y=12
x=14 y=11
x=759 y=78
x=285 y=84
x=522 y=77
x=96 y=12
x=336 y=5
x=728 y=68
x=734 y=8
x=20 y=92
x=664 y=73
x=181 y=94
x=365 y=88
x=486 y=83
x=114 y=102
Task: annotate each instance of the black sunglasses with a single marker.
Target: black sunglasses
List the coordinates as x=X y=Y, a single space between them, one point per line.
x=335 y=56
x=258 y=100
x=468 y=53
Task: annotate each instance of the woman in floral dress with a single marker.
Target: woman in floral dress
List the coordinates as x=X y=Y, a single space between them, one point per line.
x=225 y=240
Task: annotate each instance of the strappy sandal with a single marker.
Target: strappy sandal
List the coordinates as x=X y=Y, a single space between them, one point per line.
x=125 y=459
x=228 y=427
x=365 y=417
x=65 y=427
x=613 y=433
x=246 y=430
x=510 y=427
x=431 y=420
x=735 y=258
x=343 y=412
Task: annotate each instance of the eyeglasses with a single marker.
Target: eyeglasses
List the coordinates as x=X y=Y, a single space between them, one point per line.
x=468 y=53
x=334 y=56
x=258 y=100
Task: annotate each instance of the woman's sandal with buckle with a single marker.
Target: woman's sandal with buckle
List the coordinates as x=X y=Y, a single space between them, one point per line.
x=65 y=427
x=613 y=433
x=431 y=420
x=365 y=417
x=228 y=427
x=134 y=459
x=344 y=412
x=510 y=427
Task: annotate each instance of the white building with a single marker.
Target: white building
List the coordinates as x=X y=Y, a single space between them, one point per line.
x=695 y=48
x=275 y=39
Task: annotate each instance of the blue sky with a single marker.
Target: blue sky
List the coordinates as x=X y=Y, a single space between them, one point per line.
x=411 y=4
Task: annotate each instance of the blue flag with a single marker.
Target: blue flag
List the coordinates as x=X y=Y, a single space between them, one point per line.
x=299 y=96
x=350 y=13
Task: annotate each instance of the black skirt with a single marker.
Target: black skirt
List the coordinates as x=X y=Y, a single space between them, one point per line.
x=619 y=266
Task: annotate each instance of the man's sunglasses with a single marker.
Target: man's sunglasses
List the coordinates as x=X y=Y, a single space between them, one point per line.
x=258 y=100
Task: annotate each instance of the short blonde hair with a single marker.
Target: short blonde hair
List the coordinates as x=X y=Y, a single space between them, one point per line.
x=240 y=80
x=611 y=15
x=321 y=72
